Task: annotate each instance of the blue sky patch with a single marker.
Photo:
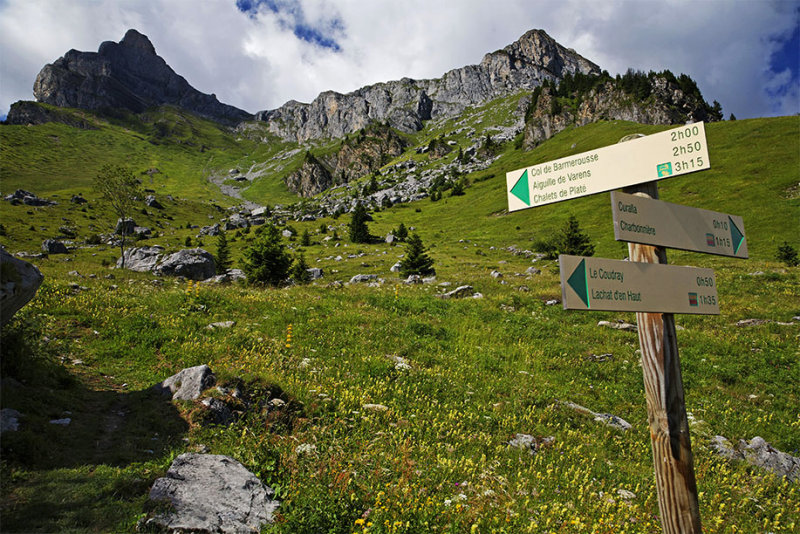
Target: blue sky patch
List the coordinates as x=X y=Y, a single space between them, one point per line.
x=293 y=18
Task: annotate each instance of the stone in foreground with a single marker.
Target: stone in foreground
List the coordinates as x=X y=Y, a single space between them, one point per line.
x=19 y=281
x=211 y=493
x=188 y=384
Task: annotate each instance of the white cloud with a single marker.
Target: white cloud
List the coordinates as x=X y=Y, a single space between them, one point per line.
x=258 y=63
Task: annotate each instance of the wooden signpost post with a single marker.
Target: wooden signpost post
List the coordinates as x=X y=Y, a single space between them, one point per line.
x=645 y=284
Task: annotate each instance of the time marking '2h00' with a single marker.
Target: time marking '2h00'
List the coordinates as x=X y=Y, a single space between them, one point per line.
x=646 y=159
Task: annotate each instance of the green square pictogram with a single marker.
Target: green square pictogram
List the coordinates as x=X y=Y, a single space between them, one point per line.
x=664 y=169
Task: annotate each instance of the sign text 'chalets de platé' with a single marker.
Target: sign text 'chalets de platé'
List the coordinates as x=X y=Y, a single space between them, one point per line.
x=646 y=159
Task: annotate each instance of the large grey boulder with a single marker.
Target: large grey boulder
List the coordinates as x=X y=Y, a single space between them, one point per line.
x=141 y=259
x=211 y=493
x=19 y=281
x=54 y=246
x=188 y=384
x=125 y=226
x=192 y=263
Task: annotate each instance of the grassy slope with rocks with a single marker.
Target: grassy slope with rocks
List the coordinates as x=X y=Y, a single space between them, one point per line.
x=480 y=370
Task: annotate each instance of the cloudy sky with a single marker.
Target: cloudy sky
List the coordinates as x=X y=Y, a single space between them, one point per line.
x=257 y=54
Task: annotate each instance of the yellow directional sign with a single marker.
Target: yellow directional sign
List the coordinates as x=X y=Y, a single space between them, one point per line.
x=654 y=222
x=613 y=285
x=646 y=159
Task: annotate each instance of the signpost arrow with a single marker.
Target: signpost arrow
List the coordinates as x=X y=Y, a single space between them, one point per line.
x=639 y=219
x=614 y=285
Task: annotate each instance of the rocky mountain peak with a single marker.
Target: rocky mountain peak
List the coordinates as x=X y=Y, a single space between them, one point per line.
x=134 y=39
x=125 y=75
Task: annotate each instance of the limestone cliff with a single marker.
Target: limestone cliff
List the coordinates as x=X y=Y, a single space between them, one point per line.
x=406 y=103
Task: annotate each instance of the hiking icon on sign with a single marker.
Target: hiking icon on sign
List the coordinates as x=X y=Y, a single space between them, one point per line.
x=664 y=169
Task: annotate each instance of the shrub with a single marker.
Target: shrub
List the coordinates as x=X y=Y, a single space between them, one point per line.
x=787 y=254
x=570 y=240
x=266 y=260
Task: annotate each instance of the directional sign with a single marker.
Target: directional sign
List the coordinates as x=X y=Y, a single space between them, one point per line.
x=653 y=222
x=646 y=159
x=613 y=285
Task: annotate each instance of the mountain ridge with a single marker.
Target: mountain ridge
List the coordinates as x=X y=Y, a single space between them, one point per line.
x=404 y=104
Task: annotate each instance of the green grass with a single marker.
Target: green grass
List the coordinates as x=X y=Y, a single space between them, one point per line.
x=482 y=370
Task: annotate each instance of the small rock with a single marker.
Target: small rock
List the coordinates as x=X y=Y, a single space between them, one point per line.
x=218 y=411
x=496 y=274
x=459 y=292
x=552 y=302
x=188 y=384
x=222 y=324
x=53 y=246
x=375 y=407
x=360 y=278
x=63 y=422
x=532 y=270
x=752 y=322
x=619 y=325
x=305 y=448
x=625 y=494
x=9 y=420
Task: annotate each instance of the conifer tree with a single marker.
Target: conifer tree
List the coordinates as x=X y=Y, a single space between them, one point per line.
x=266 y=260
x=573 y=240
x=416 y=261
x=359 y=233
x=299 y=271
x=223 y=254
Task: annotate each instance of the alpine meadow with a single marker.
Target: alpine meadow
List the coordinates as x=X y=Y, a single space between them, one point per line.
x=376 y=344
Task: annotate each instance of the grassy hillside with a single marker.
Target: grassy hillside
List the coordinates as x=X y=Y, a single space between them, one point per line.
x=476 y=371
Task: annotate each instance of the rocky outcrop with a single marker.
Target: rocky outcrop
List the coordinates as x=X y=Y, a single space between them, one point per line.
x=209 y=493
x=19 y=281
x=20 y=196
x=665 y=103
x=125 y=75
x=25 y=112
x=406 y=103
x=358 y=155
x=310 y=179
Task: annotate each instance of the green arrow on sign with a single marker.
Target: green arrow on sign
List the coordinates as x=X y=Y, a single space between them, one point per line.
x=521 y=189
x=736 y=236
x=577 y=281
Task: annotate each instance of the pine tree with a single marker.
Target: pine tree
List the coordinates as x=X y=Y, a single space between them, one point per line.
x=266 y=260
x=573 y=240
x=416 y=261
x=305 y=239
x=223 y=254
x=359 y=233
x=299 y=271
x=401 y=233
